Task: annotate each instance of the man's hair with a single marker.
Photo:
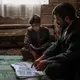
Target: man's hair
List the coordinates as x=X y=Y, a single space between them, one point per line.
x=63 y=10
x=35 y=19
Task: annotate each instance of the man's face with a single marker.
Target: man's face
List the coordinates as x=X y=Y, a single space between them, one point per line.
x=56 y=19
x=60 y=21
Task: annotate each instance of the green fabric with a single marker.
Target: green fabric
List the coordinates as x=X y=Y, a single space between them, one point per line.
x=6 y=71
x=3 y=53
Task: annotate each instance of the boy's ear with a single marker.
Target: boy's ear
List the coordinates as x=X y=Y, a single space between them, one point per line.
x=67 y=19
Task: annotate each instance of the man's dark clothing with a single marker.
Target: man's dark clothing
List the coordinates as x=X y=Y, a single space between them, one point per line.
x=64 y=56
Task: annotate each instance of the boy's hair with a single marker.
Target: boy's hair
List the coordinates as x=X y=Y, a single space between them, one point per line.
x=64 y=9
x=35 y=19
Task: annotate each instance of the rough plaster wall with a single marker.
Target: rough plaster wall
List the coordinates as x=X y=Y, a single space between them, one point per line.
x=46 y=13
x=46 y=10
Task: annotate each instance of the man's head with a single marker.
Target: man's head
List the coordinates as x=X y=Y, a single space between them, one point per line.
x=35 y=22
x=64 y=13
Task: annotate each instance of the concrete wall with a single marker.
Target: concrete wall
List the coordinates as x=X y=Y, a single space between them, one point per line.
x=46 y=10
x=46 y=13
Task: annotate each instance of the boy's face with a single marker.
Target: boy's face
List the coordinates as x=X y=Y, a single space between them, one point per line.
x=35 y=27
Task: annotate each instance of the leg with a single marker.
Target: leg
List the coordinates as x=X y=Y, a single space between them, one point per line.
x=53 y=70
x=35 y=55
x=56 y=71
x=26 y=54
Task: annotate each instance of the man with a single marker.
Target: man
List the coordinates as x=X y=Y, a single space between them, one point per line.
x=61 y=60
x=37 y=38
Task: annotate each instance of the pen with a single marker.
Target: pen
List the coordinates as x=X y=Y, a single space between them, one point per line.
x=32 y=65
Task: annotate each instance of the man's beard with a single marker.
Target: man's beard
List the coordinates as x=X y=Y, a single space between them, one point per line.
x=63 y=24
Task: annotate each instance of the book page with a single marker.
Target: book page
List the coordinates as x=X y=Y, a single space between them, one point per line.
x=23 y=69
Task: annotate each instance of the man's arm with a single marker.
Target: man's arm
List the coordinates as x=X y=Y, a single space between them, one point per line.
x=53 y=50
x=72 y=53
x=65 y=61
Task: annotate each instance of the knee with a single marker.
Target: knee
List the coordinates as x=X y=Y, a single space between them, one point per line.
x=24 y=50
x=53 y=71
x=49 y=72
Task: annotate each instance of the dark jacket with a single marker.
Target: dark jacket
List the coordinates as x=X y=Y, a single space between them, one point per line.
x=64 y=56
x=39 y=40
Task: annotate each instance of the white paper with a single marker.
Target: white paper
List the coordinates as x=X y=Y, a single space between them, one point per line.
x=24 y=70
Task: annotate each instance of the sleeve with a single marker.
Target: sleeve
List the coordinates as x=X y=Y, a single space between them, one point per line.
x=54 y=49
x=57 y=64
x=48 y=36
x=46 y=41
x=72 y=53
x=27 y=39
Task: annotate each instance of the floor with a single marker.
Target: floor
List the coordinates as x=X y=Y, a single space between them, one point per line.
x=10 y=51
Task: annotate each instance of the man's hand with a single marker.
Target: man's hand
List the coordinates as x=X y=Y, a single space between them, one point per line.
x=41 y=65
x=37 y=62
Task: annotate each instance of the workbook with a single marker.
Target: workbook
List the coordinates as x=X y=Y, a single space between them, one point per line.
x=24 y=70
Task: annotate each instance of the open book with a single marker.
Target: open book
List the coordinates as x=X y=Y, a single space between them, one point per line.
x=24 y=70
